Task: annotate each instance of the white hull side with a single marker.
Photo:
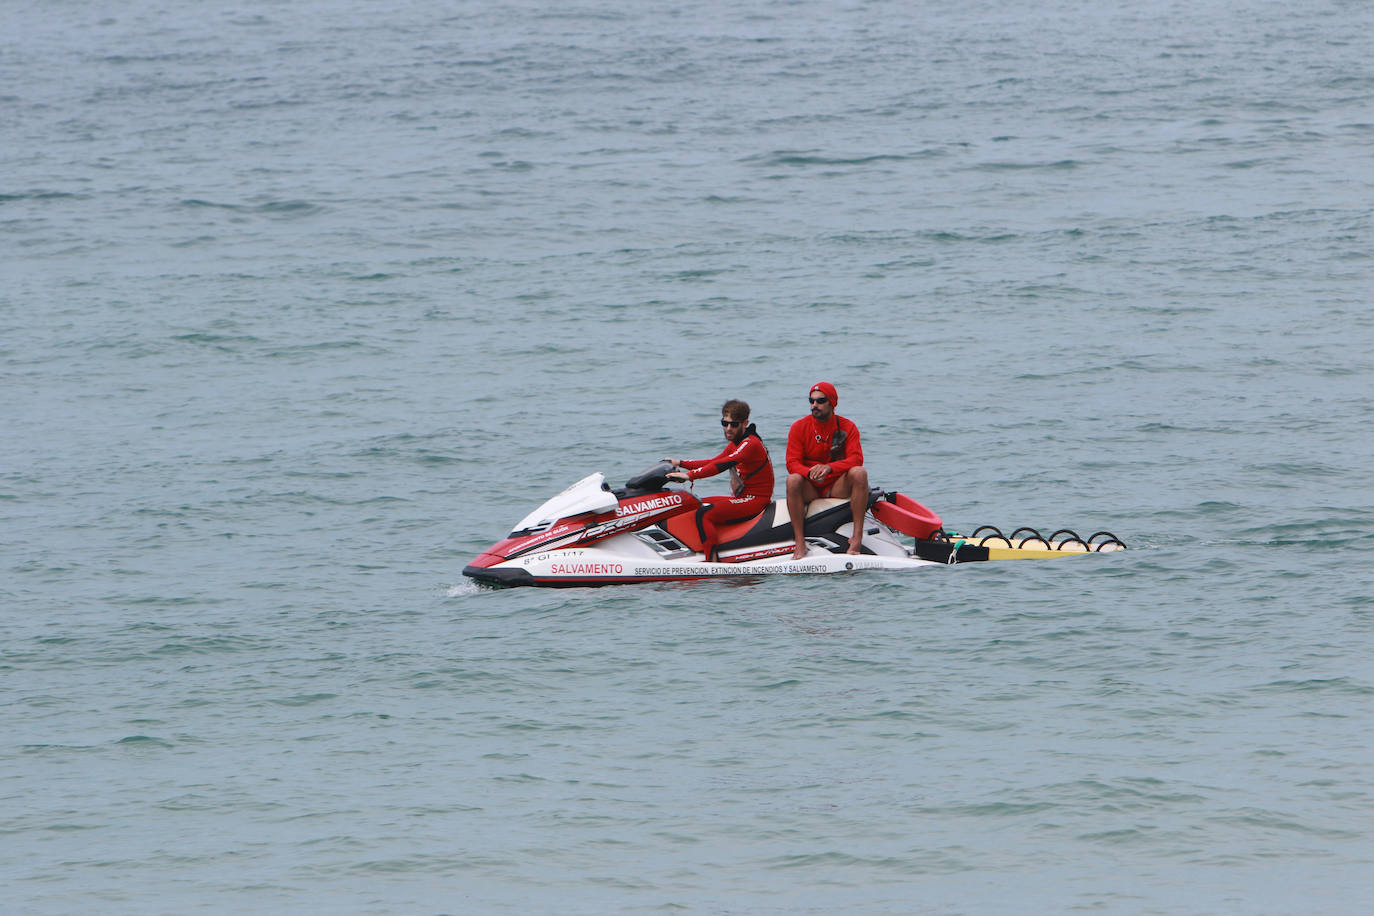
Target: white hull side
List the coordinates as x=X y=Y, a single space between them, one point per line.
x=627 y=558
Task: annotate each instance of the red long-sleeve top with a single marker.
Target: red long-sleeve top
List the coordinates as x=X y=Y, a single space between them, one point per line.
x=835 y=442
x=747 y=460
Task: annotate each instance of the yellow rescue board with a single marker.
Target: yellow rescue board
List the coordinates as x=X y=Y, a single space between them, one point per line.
x=1000 y=547
x=1032 y=549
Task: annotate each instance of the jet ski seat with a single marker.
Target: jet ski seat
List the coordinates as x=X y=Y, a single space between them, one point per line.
x=769 y=526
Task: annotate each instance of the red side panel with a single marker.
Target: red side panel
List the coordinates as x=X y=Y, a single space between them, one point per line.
x=906 y=515
x=684 y=528
x=585 y=528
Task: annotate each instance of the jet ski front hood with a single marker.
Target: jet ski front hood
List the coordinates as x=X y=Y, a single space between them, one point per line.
x=590 y=494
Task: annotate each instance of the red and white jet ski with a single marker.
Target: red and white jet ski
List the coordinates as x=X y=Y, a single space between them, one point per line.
x=591 y=534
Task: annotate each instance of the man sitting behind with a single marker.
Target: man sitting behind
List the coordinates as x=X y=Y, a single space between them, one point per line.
x=824 y=458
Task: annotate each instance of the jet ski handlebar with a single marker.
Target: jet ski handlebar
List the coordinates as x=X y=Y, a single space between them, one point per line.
x=651 y=480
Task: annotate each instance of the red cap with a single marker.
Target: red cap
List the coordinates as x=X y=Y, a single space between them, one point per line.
x=826 y=389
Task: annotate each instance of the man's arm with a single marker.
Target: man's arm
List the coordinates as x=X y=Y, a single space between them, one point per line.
x=795 y=464
x=713 y=466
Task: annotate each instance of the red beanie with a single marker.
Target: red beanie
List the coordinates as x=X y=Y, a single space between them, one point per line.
x=826 y=389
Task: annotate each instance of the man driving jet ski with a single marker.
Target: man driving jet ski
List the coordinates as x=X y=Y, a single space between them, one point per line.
x=751 y=474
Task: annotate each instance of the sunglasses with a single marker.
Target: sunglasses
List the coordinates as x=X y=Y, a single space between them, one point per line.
x=818 y=400
x=725 y=422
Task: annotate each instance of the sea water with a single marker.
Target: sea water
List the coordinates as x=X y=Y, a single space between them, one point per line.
x=304 y=304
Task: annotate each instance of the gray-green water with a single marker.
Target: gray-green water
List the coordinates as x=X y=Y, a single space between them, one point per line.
x=305 y=304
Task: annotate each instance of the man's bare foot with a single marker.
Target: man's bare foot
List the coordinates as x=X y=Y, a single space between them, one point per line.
x=800 y=551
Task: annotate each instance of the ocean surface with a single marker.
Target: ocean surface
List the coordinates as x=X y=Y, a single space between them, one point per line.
x=306 y=303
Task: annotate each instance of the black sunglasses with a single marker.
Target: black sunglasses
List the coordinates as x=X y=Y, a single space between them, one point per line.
x=818 y=400
x=725 y=422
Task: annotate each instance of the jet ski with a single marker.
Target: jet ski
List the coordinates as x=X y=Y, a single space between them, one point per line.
x=648 y=531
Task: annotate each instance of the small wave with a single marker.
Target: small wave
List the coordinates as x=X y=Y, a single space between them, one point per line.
x=833 y=859
x=789 y=682
x=442 y=865
x=1339 y=685
x=216 y=341
x=1219 y=507
x=286 y=208
x=1120 y=836
x=119 y=59
x=961 y=237
x=799 y=158
x=324 y=345
x=195 y=202
x=209 y=644
x=304 y=699
x=40 y=195
x=289 y=208
x=49 y=748
x=1057 y=166
x=1251 y=818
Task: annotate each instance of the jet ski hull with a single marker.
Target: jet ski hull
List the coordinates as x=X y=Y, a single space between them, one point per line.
x=591 y=535
x=565 y=573
x=621 y=560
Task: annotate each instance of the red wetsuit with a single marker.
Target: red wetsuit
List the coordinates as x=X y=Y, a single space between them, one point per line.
x=751 y=481
x=835 y=442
